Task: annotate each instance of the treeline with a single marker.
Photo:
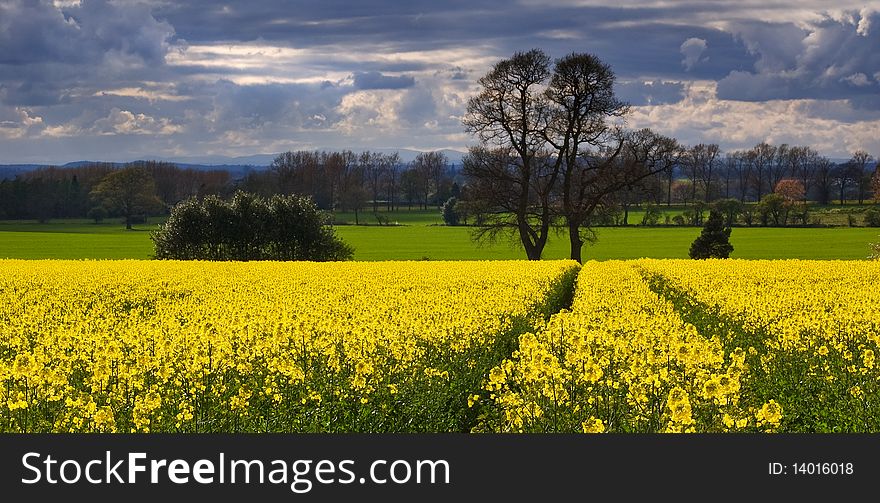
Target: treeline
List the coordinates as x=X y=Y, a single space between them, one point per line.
x=54 y=192
x=705 y=173
x=765 y=185
x=348 y=181
x=367 y=181
x=342 y=181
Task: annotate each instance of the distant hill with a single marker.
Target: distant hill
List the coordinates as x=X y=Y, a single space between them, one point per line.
x=237 y=166
x=263 y=160
x=8 y=171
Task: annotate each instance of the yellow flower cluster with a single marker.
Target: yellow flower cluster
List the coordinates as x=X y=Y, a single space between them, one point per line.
x=260 y=346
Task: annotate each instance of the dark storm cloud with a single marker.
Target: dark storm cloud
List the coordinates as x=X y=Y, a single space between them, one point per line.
x=501 y=27
x=640 y=93
x=297 y=105
x=48 y=53
x=837 y=59
x=375 y=80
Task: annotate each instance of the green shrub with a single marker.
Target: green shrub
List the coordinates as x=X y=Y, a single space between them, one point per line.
x=652 y=215
x=729 y=208
x=872 y=217
x=98 y=214
x=248 y=227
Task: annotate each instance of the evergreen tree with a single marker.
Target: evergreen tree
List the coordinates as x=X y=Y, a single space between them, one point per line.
x=450 y=212
x=714 y=240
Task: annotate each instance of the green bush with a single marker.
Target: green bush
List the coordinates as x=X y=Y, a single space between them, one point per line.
x=872 y=217
x=652 y=215
x=248 y=227
x=729 y=208
x=98 y=214
x=773 y=208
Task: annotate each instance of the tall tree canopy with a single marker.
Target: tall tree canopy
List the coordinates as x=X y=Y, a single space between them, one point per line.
x=130 y=191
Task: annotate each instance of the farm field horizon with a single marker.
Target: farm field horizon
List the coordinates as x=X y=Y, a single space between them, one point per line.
x=420 y=237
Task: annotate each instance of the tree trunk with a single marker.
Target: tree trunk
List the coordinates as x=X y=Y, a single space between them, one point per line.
x=532 y=251
x=575 y=242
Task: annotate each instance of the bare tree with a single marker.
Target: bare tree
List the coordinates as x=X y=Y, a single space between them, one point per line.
x=374 y=169
x=703 y=160
x=495 y=184
x=670 y=181
x=803 y=163
x=551 y=154
x=409 y=184
x=823 y=179
x=780 y=165
x=761 y=157
x=581 y=101
x=875 y=182
x=390 y=167
x=334 y=165
x=843 y=175
x=859 y=165
x=618 y=167
x=352 y=193
x=690 y=168
x=510 y=114
x=429 y=167
x=733 y=163
x=437 y=172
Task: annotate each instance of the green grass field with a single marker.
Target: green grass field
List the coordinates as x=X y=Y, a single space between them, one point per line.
x=422 y=238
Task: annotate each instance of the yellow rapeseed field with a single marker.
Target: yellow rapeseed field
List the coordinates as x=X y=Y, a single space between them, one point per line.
x=261 y=346
x=644 y=346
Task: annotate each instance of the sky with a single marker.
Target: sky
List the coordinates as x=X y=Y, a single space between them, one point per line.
x=120 y=80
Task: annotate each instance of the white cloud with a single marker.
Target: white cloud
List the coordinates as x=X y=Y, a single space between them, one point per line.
x=858 y=80
x=17 y=122
x=116 y=122
x=866 y=15
x=692 y=49
x=149 y=92
x=702 y=117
